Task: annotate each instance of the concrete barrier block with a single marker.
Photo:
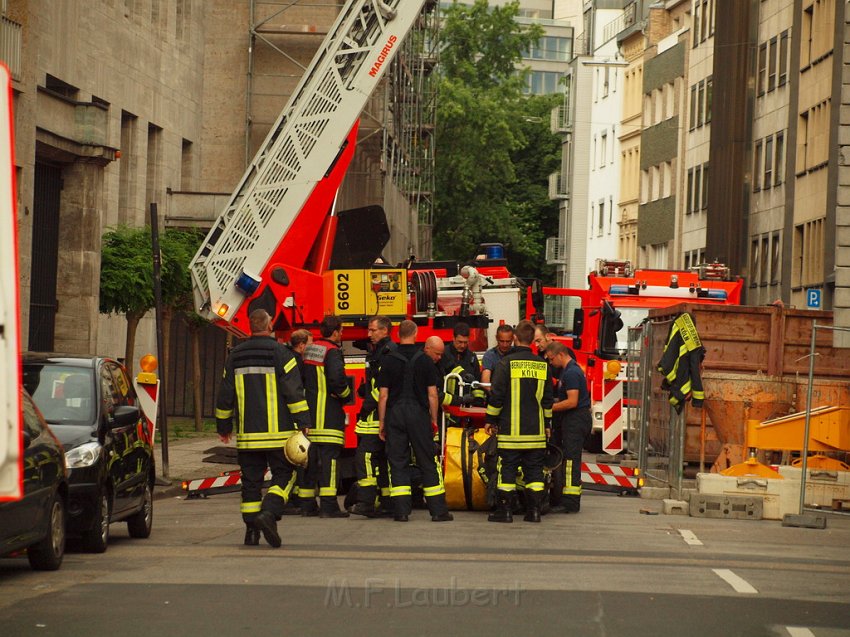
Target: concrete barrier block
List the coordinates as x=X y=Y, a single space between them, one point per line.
x=675 y=507
x=726 y=506
x=655 y=493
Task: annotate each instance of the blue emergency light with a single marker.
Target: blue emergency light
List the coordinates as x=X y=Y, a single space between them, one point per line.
x=248 y=282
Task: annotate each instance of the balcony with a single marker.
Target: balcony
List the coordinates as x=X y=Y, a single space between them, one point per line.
x=559 y=188
x=10 y=46
x=561 y=120
x=556 y=251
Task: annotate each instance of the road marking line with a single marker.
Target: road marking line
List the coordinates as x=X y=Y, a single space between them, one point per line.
x=690 y=537
x=738 y=583
x=799 y=631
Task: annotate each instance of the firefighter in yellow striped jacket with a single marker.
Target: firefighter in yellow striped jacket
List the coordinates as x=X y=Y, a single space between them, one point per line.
x=519 y=411
x=326 y=388
x=262 y=388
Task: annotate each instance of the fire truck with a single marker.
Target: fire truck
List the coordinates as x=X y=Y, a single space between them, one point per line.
x=280 y=243
x=11 y=452
x=595 y=323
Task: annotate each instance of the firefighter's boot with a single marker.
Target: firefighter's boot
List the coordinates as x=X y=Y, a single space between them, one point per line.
x=252 y=535
x=504 y=507
x=532 y=506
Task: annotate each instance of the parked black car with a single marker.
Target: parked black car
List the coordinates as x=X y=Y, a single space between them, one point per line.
x=36 y=522
x=92 y=408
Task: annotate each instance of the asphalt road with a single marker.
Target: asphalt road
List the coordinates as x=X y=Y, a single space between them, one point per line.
x=609 y=571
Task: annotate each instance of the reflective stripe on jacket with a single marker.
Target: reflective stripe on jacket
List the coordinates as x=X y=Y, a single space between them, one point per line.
x=261 y=385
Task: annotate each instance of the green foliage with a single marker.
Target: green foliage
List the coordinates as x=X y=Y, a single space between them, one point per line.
x=494 y=149
x=126 y=271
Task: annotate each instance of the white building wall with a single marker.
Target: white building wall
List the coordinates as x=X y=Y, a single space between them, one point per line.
x=604 y=179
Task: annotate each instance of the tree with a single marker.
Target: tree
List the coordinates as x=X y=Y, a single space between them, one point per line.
x=126 y=279
x=494 y=150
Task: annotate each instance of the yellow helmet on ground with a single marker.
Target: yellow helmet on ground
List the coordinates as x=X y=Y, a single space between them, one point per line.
x=296 y=448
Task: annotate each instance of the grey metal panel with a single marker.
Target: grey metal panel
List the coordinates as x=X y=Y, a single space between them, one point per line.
x=659 y=143
x=664 y=68
x=655 y=221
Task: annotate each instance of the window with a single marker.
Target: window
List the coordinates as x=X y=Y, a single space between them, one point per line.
x=606 y=77
x=697 y=20
x=779 y=165
x=808 y=254
x=768 y=163
x=669 y=101
x=689 y=201
x=693 y=107
x=802 y=142
x=783 y=58
x=601 y=222
x=709 y=85
x=762 y=70
x=806 y=37
x=666 y=179
x=772 y=55
x=543 y=83
x=603 y=150
x=644 y=186
x=757 y=165
x=656 y=183
x=705 y=186
x=754 y=262
x=58 y=87
x=764 y=275
x=700 y=103
x=775 y=255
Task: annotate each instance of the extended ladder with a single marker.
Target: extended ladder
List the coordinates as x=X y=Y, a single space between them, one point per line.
x=300 y=150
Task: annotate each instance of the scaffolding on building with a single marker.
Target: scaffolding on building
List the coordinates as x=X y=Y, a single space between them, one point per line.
x=402 y=115
x=411 y=125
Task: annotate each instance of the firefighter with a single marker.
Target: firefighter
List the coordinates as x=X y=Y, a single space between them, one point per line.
x=504 y=344
x=458 y=359
x=326 y=388
x=519 y=412
x=407 y=412
x=298 y=342
x=435 y=349
x=572 y=410
x=370 y=460
x=261 y=383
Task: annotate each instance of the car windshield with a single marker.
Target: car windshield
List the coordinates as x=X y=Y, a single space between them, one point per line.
x=65 y=395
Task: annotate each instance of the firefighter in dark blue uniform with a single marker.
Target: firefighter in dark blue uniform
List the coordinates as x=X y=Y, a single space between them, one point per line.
x=370 y=459
x=519 y=411
x=407 y=411
x=572 y=410
x=326 y=388
x=262 y=387
x=458 y=359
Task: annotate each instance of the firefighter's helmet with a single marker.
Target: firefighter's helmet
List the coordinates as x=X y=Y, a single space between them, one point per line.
x=296 y=449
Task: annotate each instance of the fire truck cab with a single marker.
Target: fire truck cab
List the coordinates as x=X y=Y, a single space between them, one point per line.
x=595 y=323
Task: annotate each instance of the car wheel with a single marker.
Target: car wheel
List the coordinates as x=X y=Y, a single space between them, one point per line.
x=96 y=539
x=140 y=523
x=47 y=554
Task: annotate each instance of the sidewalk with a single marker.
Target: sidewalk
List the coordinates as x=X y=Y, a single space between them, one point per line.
x=186 y=462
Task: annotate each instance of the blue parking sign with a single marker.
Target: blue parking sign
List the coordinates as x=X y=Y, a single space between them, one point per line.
x=813 y=299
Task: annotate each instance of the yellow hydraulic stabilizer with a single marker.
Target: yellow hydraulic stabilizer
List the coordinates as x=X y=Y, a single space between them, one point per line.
x=752 y=467
x=829 y=430
x=820 y=461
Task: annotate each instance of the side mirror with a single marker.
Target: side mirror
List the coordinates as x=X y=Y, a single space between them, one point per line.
x=125 y=415
x=578 y=321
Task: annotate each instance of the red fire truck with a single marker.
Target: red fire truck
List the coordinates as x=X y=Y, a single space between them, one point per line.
x=11 y=452
x=281 y=245
x=595 y=321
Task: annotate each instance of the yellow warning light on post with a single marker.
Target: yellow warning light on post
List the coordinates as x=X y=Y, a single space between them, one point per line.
x=612 y=369
x=148 y=365
x=222 y=309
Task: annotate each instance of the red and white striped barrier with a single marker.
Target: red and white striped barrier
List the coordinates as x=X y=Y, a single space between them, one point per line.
x=612 y=410
x=226 y=482
x=610 y=475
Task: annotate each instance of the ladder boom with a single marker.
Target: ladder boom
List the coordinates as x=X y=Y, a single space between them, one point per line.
x=301 y=149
